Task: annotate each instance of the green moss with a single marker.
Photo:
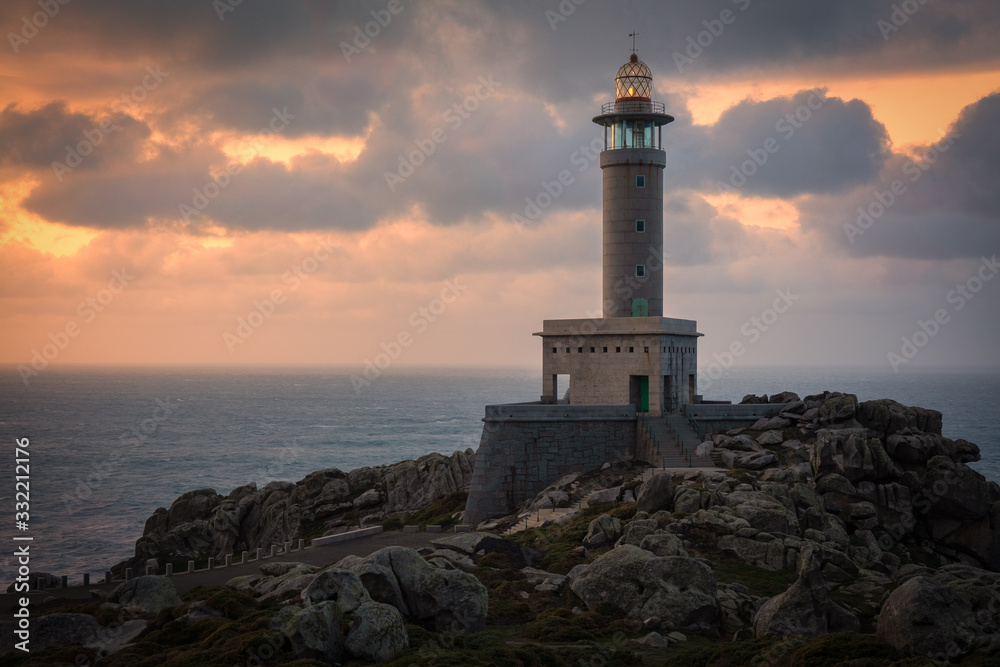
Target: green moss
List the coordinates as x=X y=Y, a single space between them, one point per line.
x=843 y=648
x=495 y=560
x=393 y=523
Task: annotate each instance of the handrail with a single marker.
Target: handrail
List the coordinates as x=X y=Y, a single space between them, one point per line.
x=633 y=106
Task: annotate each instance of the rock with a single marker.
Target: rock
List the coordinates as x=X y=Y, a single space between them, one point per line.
x=448 y=601
x=604 y=496
x=680 y=591
x=837 y=409
x=147 y=593
x=740 y=443
x=767 y=515
x=291 y=576
x=452 y=557
x=687 y=500
x=770 y=438
x=377 y=633
x=603 y=529
x=887 y=417
x=336 y=585
x=756 y=461
x=637 y=530
x=805 y=608
x=704 y=449
x=203 y=523
x=369 y=498
x=944 y=616
x=315 y=632
x=654 y=639
x=784 y=397
x=679 y=636
x=663 y=544
x=753 y=399
x=656 y=493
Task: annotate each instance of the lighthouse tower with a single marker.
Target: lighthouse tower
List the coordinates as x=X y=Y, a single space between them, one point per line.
x=633 y=355
x=632 y=162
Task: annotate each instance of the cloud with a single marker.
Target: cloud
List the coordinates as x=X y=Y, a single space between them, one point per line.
x=940 y=202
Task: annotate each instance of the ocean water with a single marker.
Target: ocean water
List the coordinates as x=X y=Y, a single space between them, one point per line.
x=110 y=445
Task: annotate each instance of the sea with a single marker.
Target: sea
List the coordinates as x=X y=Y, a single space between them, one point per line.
x=109 y=445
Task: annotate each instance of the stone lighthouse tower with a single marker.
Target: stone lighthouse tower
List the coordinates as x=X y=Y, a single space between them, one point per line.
x=632 y=162
x=633 y=355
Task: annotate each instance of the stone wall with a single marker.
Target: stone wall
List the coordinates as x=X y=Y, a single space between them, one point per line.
x=526 y=447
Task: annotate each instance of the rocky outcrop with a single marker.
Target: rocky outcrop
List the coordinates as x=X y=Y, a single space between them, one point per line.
x=603 y=529
x=656 y=493
x=377 y=633
x=679 y=591
x=943 y=615
x=315 y=632
x=805 y=608
x=203 y=523
x=446 y=601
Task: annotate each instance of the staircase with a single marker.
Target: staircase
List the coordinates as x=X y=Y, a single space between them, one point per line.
x=667 y=448
x=683 y=431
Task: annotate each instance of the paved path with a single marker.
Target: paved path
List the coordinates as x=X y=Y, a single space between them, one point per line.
x=322 y=555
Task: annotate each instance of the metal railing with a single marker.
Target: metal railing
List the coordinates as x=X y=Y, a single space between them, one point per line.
x=633 y=107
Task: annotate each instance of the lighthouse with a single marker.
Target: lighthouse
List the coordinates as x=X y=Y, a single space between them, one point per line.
x=632 y=354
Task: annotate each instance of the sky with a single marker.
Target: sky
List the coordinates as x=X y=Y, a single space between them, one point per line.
x=306 y=182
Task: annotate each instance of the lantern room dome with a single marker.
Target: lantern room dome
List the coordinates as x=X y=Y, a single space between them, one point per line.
x=634 y=81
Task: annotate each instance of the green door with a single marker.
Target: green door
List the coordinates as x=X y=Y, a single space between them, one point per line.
x=640 y=307
x=644 y=394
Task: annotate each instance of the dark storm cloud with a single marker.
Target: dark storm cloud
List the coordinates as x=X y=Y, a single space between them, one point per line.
x=804 y=144
x=941 y=202
x=34 y=139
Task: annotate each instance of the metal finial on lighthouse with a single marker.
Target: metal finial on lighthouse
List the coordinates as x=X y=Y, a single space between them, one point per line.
x=633 y=35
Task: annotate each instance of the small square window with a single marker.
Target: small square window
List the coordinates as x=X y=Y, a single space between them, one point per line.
x=554 y=350
x=631 y=349
x=567 y=350
x=580 y=350
x=640 y=270
x=664 y=349
x=645 y=349
x=605 y=349
x=640 y=181
x=591 y=350
x=640 y=226
x=618 y=349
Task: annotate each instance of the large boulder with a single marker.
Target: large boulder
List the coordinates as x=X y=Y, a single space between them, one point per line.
x=341 y=586
x=315 y=632
x=447 y=601
x=605 y=529
x=944 y=616
x=663 y=544
x=680 y=591
x=886 y=417
x=377 y=633
x=637 y=530
x=656 y=493
x=147 y=593
x=805 y=608
x=476 y=543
